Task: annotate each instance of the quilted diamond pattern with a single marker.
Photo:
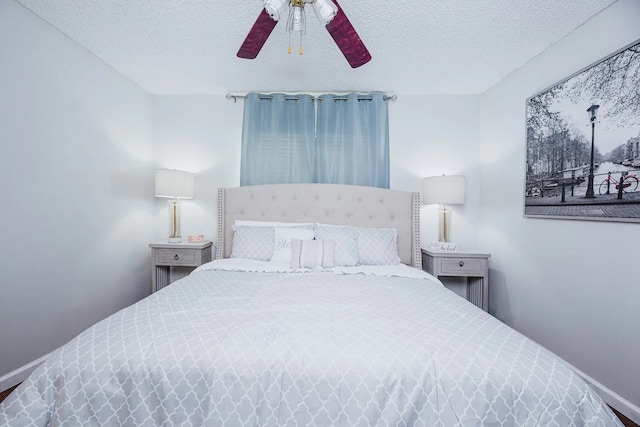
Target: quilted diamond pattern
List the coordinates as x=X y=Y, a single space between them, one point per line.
x=346 y=238
x=252 y=242
x=268 y=349
x=378 y=246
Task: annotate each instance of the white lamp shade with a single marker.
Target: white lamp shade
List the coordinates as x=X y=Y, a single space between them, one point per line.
x=174 y=183
x=445 y=189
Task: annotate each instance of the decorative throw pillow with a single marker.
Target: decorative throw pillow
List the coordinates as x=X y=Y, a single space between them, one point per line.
x=346 y=239
x=282 y=242
x=252 y=242
x=312 y=253
x=378 y=246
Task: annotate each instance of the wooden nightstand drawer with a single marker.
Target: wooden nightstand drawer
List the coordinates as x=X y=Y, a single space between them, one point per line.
x=462 y=266
x=472 y=265
x=175 y=257
x=167 y=255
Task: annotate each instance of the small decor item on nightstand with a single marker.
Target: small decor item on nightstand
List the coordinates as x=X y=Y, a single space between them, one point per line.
x=195 y=238
x=443 y=247
x=175 y=185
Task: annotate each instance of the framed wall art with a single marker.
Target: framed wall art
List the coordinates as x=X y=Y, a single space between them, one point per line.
x=583 y=143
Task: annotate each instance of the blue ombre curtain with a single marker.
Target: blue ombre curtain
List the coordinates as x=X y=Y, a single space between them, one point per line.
x=352 y=142
x=342 y=139
x=278 y=144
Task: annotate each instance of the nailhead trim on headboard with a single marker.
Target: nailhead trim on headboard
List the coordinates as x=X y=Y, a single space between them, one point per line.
x=417 y=251
x=220 y=246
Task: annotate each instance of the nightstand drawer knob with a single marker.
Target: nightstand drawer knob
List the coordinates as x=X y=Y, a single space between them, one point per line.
x=461 y=263
x=176 y=257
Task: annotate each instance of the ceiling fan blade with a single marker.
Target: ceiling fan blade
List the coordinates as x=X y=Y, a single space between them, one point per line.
x=257 y=36
x=347 y=39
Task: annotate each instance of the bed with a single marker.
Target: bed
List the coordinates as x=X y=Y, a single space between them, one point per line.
x=306 y=337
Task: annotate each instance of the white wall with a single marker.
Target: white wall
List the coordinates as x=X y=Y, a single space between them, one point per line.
x=77 y=190
x=203 y=134
x=436 y=135
x=572 y=286
x=199 y=134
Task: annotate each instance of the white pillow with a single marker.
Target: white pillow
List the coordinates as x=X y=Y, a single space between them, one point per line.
x=312 y=253
x=378 y=246
x=252 y=242
x=282 y=241
x=346 y=253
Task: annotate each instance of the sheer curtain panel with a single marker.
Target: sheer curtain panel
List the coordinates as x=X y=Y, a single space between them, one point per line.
x=352 y=140
x=278 y=144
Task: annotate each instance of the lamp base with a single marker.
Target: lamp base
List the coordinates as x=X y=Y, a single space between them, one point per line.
x=175 y=236
x=444 y=221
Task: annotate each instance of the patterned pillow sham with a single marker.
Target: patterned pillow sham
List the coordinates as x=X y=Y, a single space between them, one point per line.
x=312 y=253
x=346 y=238
x=378 y=246
x=252 y=242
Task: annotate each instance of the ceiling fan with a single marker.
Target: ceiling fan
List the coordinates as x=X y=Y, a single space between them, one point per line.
x=328 y=12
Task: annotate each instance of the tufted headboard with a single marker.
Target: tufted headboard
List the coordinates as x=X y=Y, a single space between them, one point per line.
x=323 y=203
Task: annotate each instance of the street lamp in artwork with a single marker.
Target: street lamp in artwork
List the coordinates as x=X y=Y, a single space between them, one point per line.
x=593 y=111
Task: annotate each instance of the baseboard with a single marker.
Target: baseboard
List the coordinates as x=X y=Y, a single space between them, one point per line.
x=16 y=376
x=611 y=398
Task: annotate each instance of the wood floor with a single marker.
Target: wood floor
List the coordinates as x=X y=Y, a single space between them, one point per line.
x=4 y=394
x=626 y=421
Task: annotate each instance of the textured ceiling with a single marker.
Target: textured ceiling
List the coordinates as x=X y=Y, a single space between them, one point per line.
x=418 y=47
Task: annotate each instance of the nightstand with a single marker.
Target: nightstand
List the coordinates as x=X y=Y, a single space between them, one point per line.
x=473 y=266
x=167 y=255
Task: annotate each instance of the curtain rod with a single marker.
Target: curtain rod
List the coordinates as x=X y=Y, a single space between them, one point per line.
x=313 y=98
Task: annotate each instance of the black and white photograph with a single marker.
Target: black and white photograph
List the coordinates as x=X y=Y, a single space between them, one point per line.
x=583 y=143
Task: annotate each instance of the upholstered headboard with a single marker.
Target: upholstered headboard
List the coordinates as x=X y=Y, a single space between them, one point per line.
x=323 y=203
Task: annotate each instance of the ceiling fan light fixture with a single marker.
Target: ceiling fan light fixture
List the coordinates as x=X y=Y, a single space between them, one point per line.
x=275 y=8
x=297 y=22
x=297 y=19
x=325 y=10
x=328 y=12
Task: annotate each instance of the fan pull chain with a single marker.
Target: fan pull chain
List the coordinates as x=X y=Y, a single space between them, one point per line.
x=300 y=51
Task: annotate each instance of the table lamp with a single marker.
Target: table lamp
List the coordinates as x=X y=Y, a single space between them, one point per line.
x=444 y=190
x=175 y=185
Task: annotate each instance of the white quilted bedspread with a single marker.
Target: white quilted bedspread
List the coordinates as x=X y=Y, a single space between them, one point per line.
x=228 y=348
